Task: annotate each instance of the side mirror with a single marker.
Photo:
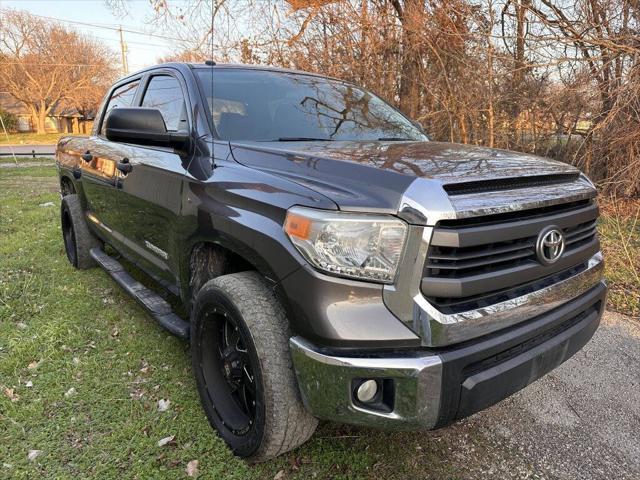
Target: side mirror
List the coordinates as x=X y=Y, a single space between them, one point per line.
x=419 y=126
x=142 y=126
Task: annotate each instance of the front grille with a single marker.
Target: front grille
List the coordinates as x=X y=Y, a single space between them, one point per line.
x=451 y=305
x=472 y=259
x=453 y=262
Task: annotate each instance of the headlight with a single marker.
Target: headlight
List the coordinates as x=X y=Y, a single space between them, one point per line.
x=366 y=247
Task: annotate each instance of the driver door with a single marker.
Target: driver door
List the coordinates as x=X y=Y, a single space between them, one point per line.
x=150 y=187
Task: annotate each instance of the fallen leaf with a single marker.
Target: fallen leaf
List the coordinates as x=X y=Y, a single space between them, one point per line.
x=163 y=405
x=10 y=393
x=33 y=365
x=192 y=468
x=33 y=454
x=166 y=440
x=279 y=475
x=70 y=393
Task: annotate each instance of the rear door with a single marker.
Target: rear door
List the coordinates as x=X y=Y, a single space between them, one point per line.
x=98 y=167
x=149 y=196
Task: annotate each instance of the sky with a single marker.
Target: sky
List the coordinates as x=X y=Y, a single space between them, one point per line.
x=143 y=50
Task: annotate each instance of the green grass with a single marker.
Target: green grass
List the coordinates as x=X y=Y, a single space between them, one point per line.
x=62 y=329
x=31 y=138
x=22 y=160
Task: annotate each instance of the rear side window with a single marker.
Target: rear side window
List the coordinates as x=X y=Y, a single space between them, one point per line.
x=165 y=94
x=122 y=97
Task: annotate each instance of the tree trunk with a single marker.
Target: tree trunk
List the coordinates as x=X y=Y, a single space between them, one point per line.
x=39 y=113
x=490 y=108
x=411 y=19
x=41 y=122
x=519 y=64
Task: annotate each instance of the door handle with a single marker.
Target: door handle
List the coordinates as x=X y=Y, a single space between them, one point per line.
x=124 y=166
x=86 y=156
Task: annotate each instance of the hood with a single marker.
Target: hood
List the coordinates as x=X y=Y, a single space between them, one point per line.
x=373 y=176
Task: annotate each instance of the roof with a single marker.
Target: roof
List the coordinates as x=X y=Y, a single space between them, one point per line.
x=9 y=104
x=238 y=66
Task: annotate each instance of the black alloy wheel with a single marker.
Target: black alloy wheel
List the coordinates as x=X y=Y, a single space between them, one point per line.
x=243 y=368
x=228 y=370
x=77 y=238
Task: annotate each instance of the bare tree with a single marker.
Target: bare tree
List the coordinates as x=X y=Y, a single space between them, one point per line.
x=554 y=77
x=44 y=65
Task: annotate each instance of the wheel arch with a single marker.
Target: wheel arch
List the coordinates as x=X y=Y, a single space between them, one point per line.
x=67 y=185
x=234 y=260
x=205 y=259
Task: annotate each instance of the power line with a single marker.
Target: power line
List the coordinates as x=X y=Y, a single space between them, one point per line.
x=42 y=64
x=104 y=39
x=114 y=28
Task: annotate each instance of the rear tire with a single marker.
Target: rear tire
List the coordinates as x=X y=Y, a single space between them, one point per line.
x=78 y=239
x=243 y=368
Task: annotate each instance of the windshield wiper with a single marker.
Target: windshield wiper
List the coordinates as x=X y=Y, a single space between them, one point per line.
x=394 y=139
x=303 y=139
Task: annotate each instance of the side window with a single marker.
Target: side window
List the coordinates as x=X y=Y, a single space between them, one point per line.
x=165 y=94
x=122 y=97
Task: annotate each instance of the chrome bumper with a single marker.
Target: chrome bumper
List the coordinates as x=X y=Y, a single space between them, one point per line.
x=432 y=388
x=325 y=383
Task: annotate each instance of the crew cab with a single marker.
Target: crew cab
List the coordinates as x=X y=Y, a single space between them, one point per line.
x=334 y=263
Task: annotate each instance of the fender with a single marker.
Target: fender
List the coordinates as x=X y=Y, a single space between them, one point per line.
x=242 y=210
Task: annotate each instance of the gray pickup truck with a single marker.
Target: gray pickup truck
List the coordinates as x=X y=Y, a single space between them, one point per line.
x=330 y=261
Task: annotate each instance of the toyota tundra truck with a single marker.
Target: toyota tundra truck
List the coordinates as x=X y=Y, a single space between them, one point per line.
x=329 y=261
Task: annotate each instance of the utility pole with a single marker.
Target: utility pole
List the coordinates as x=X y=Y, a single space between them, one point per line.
x=123 y=51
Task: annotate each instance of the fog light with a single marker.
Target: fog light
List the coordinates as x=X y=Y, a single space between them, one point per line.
x=367 y=391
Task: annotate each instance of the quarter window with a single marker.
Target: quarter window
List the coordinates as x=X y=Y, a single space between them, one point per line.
x=165 y=94
x=122 y=97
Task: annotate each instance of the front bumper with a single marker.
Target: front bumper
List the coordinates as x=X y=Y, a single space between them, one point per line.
x=430 y=388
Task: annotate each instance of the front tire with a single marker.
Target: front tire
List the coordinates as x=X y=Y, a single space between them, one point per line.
x=243 y=368
x=78 y=239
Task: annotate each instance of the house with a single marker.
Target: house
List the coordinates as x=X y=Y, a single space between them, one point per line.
x=61 y=120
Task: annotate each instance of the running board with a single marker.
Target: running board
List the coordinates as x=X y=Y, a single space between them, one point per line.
x=153 y=303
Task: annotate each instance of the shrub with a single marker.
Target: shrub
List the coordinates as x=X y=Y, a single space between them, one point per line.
x=9 y=120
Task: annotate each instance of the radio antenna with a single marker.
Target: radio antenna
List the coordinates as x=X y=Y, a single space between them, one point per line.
x=211 y=64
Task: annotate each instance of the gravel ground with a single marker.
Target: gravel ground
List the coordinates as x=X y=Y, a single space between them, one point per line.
x=582 y=421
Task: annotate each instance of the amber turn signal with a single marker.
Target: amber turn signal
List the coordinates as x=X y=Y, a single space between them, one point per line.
x=297 y=226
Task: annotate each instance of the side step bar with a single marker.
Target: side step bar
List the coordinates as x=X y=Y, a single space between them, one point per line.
x=155 y=305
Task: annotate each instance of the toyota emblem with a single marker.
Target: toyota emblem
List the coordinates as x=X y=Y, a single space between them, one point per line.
x=550 y=245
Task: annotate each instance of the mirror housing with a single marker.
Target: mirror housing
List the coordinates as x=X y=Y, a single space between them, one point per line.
x=142 y=126
x=419 y=126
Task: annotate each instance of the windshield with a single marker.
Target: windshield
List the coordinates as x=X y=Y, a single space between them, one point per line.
x=257 y=105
